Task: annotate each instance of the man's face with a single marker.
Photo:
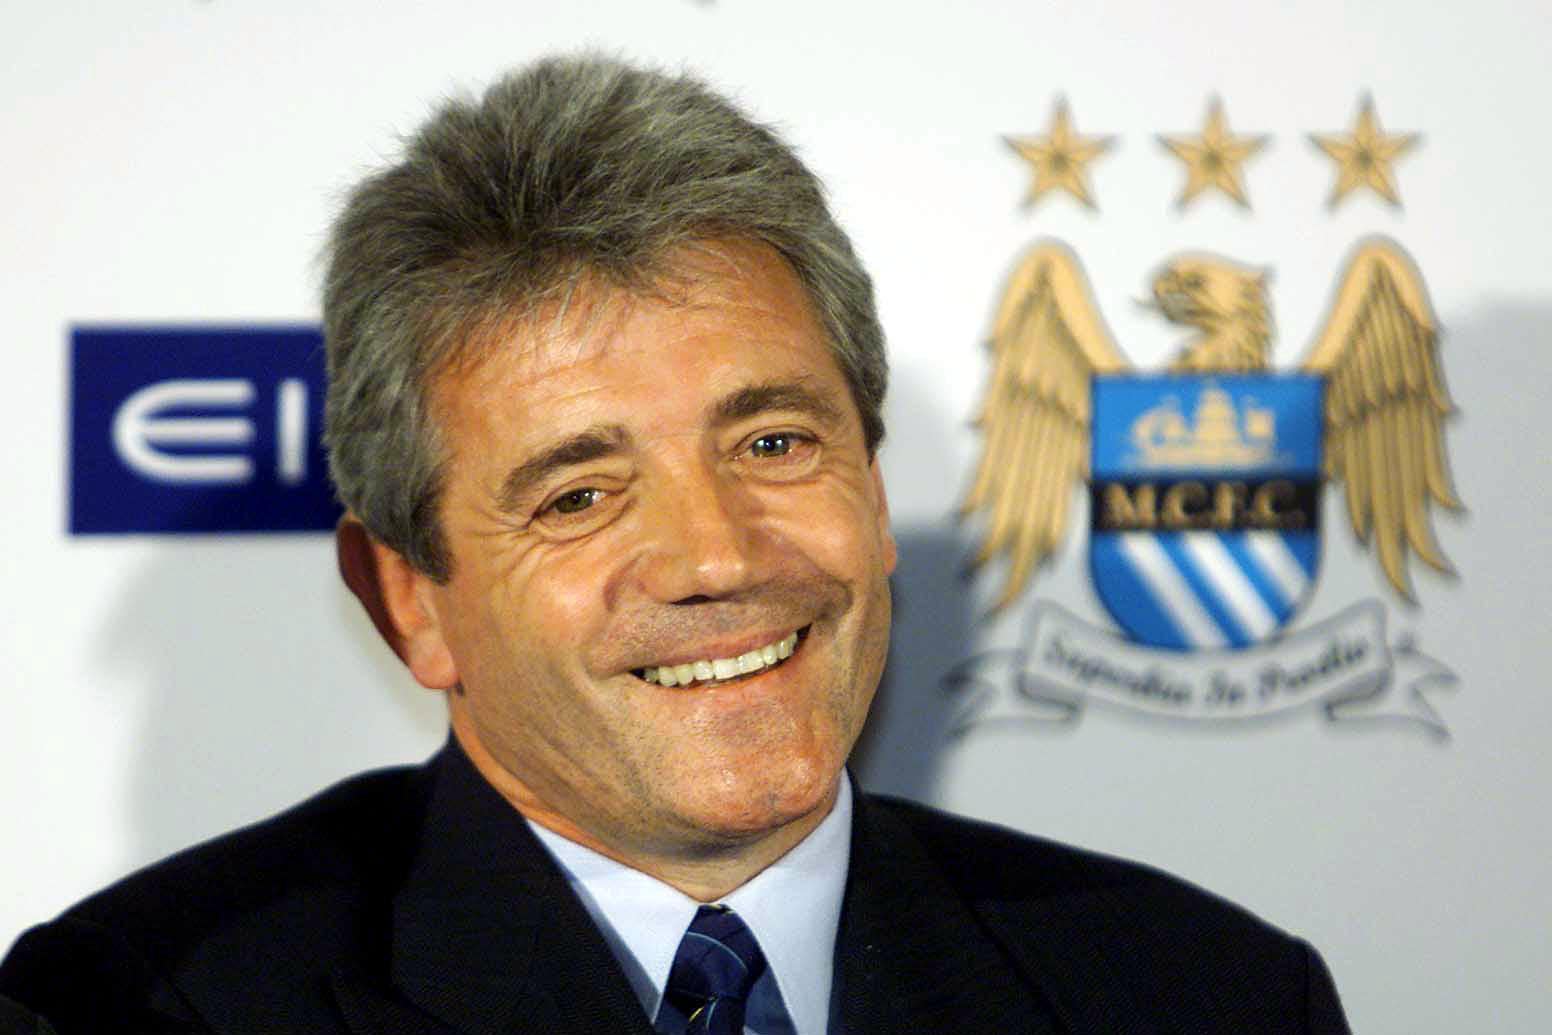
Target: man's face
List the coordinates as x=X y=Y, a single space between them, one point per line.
x=638 y=486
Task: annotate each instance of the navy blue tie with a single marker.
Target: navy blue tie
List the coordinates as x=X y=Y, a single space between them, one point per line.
x=717 y=964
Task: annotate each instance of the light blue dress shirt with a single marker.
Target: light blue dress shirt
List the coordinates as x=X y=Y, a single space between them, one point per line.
x=793 y=907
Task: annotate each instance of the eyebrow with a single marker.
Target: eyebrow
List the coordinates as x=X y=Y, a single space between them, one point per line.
x=776 y=395
x=598 y=441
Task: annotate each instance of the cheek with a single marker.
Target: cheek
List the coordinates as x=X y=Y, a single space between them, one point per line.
x=555 y=615
x=844 y=536
x=539 y=622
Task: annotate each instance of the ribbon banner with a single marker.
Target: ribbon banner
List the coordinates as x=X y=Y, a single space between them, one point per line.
x=1342 y=667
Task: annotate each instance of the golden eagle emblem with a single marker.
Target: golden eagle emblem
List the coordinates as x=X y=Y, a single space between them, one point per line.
x=1385 y=401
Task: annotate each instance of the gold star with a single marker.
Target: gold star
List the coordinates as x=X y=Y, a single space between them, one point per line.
x=1060 y=158
x=1363 y=157
x=1213 y=159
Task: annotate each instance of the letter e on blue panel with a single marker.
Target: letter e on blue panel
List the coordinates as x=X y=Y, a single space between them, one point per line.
x=197 y=429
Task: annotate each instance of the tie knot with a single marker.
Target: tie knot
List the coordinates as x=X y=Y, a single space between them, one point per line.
x=717 y=964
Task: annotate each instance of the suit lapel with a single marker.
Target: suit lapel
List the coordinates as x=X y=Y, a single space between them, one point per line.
x=912 y=956
x=487 y=938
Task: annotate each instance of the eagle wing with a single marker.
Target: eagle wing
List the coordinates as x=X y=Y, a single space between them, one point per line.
x=1047 y=343
x=1385 y=408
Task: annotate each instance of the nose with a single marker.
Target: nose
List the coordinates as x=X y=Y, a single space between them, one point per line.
x=700 y=542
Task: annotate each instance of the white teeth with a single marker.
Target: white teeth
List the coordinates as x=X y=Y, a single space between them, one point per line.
x=723 y=668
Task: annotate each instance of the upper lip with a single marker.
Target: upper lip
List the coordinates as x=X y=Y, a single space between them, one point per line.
x=729 y=647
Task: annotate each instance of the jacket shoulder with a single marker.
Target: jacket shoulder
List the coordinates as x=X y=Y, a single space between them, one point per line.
x=282 y=898
x=993 y=863
x=352 y=839
x=1119 y=938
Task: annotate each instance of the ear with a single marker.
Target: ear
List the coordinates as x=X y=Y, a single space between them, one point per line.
x=886 y=533
x=397 y=599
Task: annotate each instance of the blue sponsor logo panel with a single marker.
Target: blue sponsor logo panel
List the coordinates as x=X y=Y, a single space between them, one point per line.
x=1205 y=505
x=197 y=429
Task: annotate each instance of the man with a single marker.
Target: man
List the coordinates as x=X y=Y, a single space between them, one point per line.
x=604 y=406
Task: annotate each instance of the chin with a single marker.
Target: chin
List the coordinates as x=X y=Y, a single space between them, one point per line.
x=732 y=807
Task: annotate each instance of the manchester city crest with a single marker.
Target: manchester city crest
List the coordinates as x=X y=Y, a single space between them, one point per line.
x=1204 y=485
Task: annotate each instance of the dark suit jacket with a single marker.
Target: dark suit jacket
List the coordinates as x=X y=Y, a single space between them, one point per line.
x=418 y=901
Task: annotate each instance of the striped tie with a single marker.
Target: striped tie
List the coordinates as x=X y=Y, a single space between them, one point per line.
x=717 y=964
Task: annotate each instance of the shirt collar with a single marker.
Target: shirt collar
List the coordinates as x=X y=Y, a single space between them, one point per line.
x=793 y=907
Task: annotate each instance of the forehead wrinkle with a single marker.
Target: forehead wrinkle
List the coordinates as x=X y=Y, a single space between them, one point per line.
x=600 y=440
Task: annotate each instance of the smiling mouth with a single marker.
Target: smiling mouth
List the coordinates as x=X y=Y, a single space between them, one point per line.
x=724 y=670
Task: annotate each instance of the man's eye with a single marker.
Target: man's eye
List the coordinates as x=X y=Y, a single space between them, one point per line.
x=771 y=445
x=779 y=455
x=575 y=501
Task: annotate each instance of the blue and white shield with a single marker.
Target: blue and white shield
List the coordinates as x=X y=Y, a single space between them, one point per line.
x=1205 y=508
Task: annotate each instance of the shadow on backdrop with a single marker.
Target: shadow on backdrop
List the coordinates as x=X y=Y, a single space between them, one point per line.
x=263 y=684
x=1498 y=369
x=902 y=746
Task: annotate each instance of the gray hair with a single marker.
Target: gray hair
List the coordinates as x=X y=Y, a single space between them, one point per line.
x=572 y=168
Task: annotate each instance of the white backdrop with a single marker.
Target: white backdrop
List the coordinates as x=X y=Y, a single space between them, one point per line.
x=177 y=161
